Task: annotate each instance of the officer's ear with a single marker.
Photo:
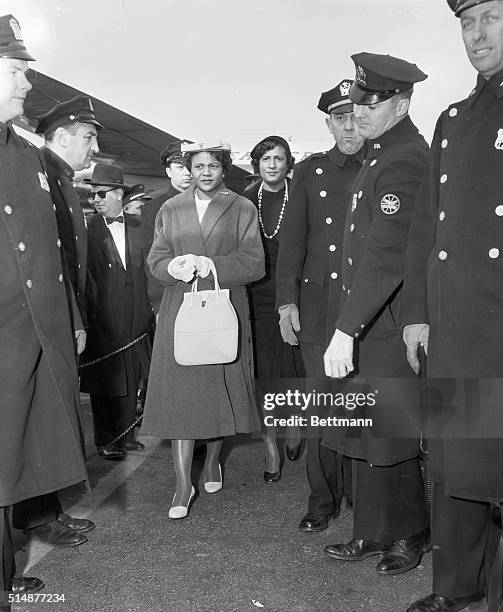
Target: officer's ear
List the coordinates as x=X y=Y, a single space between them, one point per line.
x=329 y=124
x=61 y=137
x=402 y=107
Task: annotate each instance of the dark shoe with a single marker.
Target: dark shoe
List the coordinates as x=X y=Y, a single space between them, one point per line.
x=356 y=550
x=293 y=453
x=438 y=603
x=349 y=502
x=272 y=476
x=132 y=446
x=76 y=524
x=404 y=555
x=25 y=584
x=315 y=522
x=57 y=534
x=111 y=452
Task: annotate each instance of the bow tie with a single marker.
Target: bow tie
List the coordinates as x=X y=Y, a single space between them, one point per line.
x=119 y=219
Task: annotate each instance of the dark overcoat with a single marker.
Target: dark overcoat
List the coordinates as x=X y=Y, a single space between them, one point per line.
x=40 y=439
x=453 y=281
x=375 y=241
x=71 y=223
x=308 y=272
x=112 y=324
x=194 y=402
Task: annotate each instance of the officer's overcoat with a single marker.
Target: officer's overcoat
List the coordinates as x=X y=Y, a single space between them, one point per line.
x=375 y=240
x=453 y=282
x=310 y=253
x=40 y=438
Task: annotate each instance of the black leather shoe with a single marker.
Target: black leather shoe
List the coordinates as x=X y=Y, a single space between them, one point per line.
x=57 y=534
x=272 y=476
x=404 y=555
x=356 y=550
x=26 y=584
x=438 y=603
x=132 y=446
x=76 y=524
x=293 y=453
x=111 y=452
x=315 y=522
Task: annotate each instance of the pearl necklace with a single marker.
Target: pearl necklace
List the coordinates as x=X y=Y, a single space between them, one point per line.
x=280 y=218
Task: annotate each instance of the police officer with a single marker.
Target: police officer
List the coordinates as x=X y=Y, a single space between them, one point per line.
x=180 y=179
x=309 y=264
x=390 y=515
x=453 y=306
x=70 y=135
x=38 y=376
x=135 y=199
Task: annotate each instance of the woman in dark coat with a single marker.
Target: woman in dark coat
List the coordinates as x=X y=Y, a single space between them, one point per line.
x=187 y=403
x=272 y=159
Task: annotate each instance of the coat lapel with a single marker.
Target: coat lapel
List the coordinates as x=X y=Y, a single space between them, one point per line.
x=187 y=216
x=216 y=208
x=106 y=241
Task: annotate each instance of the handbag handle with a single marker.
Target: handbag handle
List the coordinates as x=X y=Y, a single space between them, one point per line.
x=215 y=277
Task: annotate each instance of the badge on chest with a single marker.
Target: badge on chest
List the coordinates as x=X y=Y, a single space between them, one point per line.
x=390 y=204
x=499 y=140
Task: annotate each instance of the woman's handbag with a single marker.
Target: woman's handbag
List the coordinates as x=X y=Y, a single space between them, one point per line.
x=206 y=327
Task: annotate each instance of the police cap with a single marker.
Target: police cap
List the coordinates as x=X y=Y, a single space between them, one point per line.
x=337 y=98
x=380 y=77
x=136 y=192
x=171 y=153
x=458 y=6
x=11 y=39
x=77 y=110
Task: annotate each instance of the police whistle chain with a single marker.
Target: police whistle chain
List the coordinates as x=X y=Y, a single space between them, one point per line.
x=116 y=352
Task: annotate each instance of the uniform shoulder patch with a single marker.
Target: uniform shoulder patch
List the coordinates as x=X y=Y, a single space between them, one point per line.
x=390 y=204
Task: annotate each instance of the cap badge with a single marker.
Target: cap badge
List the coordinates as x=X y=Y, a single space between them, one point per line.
x=43 y=181
x=344 y=88
x=390 y=204
x=361 y=75
x=16 y=29
x=499 y=140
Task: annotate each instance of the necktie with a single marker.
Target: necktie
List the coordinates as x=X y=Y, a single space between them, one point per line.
x=119 y=219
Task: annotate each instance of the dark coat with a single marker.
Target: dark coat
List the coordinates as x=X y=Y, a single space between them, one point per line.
x=375 y=241
x=454 y=270
x=113 y=323
x=71 y=223
x=40 y=439
x=185 y=402
x=308 y=272
x=148 y=214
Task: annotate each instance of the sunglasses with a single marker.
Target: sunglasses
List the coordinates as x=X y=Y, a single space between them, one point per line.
x=101 y=194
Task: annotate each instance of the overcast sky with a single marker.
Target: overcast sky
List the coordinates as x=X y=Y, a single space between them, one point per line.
x=240 y=69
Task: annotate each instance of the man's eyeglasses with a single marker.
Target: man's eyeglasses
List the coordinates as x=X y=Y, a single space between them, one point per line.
x=101 y=194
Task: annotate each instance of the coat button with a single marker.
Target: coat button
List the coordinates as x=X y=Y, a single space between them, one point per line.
x=499 y=210
x=71 y=210
x=332 y=247
x=8 y=209
x=356 y=334
x=109 y=265
x=76 y=238
x=328 y=220
x=323 y=194
x=60 y=278
x=443 y=178
x=58 y=242
x=444 y=144
x=54 y=206
x=319 y=171
x=22 y=246
x=343 y=287
x=373 y=162
x=306 y=280
x=350 y=261
x=494 y=253
x=360 y=194
x=29 y=284
x=442 y=255
x=441 y=216
x=334 y=275
x=352 y=227
x=453 y=112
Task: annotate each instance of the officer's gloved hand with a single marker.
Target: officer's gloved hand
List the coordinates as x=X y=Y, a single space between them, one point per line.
x=183 y=267
x=413 y=336
x=338 y=358
x=289 y=323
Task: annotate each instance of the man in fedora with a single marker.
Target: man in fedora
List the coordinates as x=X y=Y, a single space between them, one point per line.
x=38 y=374
x=70 y=131
x=119 y=314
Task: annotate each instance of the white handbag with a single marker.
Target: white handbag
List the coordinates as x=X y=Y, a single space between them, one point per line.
x=206 y=326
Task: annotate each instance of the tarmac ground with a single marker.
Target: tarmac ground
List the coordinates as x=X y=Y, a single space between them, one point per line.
x=238 y=550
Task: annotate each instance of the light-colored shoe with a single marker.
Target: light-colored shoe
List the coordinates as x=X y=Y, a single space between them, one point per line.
x=212 y=486
x=179 y=512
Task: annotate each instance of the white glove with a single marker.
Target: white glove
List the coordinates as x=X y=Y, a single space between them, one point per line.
x=413 y=336
x=203 y=266
x=338 y=358
x=289 y=323
x=183 y=267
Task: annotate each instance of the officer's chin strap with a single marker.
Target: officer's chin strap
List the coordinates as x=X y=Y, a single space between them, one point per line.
x=495 y=589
